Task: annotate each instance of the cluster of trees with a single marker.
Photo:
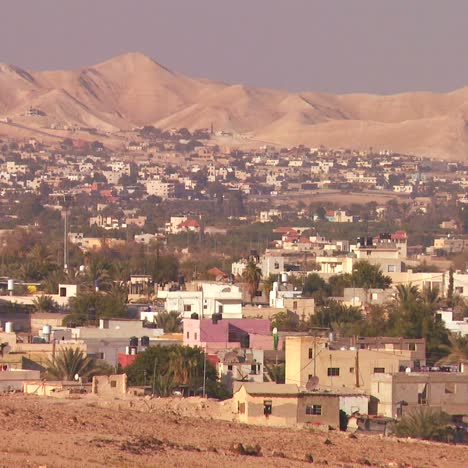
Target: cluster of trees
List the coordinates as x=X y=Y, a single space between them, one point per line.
x=411 y=314
x=364 y=275
x=168 y=367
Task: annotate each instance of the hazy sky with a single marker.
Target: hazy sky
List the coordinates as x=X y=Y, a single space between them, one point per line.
x=381 y=46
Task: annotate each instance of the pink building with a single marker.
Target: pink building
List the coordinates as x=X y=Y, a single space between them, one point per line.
x=228 y=333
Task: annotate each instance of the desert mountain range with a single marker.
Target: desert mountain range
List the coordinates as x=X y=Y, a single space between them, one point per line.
x=132 y=90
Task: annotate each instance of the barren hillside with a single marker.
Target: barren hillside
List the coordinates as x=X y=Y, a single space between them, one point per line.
x=36 y=431
x=132 y=89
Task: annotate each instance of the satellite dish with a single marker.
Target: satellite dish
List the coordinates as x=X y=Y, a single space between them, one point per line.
x=275 y=331
x=408 y=370
x=312 y=383
x=77 y=377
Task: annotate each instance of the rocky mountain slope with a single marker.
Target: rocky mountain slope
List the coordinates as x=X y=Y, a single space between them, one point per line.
x=132 y=90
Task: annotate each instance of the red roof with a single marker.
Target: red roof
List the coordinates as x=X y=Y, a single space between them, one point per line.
x=217 y=272
x=189 y=223
x=399 y=235
x=284 y=230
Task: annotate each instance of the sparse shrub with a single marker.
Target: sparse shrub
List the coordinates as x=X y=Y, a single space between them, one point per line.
x=309 y=458
x=249 y=450
x=279 y=454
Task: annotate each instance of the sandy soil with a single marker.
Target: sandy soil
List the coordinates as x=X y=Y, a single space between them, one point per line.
x=86 y=432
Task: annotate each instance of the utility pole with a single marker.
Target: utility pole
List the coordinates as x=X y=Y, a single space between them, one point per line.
x=204 y=373
x=315 y=354
x=356 y=366
x=65 y=240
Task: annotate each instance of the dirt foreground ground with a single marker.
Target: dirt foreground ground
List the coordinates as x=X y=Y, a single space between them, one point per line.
x=87 y=432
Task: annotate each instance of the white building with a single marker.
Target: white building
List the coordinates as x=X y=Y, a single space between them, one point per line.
x=206 y=300
x=459 y=327
x=269 y=264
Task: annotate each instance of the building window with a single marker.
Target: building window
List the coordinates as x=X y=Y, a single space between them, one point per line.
x=220 y=309
x=241 y=408
x=311 y=353
x=230 y=367
x=188 y=335
x=267 y=407
x=351 y=370
x=391 y=268
x=113 y=384
x=276 y=266
x=253 y=369
x=379 y=370
x=315 y=410
x=196 y=335
x=333 y=371
x=187 y=308
x=295 y=305
x=412 y=346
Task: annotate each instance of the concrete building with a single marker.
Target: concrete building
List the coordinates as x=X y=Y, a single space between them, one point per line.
x=224 y=334
x=449 y=245
x=400 y=393
x=239 y=365
x=109 y=385
x=353 y=366
x=269 y=264
x=458 y=327
x=288 y=405
x=284 y=296
x=205 y=300
x=14 y=379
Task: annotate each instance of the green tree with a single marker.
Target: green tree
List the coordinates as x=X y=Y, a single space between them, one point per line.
x=170 y=322
x=314 y=283
x=450 y=288
x=285 y=321
x=267 y=284
x=252 y=276
x=425 y=423
x=457 y=350
x=368 y=276
x=165 y=367
x=45 y=303
x=338 y=317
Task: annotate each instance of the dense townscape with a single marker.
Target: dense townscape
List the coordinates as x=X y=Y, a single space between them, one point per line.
x=201 y=272
x=176 y=266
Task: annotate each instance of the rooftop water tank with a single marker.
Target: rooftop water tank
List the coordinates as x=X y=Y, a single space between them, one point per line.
x=8 y=327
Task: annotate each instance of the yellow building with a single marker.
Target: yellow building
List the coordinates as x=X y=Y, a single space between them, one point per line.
x=352 y=366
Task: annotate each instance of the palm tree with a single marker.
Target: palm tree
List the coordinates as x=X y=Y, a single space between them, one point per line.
x=98 y=275
x=252 y=276
x=425 y=423
x=457 y=350
x=185 y=364
x=70 y=362
x=170 y=322
x=430 y=297
x=268 y=284
x=406 y=296
x=45 y=303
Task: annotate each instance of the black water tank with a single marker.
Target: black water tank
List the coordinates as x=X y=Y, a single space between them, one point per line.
x=134 y=341
x=144 y=340
x=194 y=316
x=214 y=319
